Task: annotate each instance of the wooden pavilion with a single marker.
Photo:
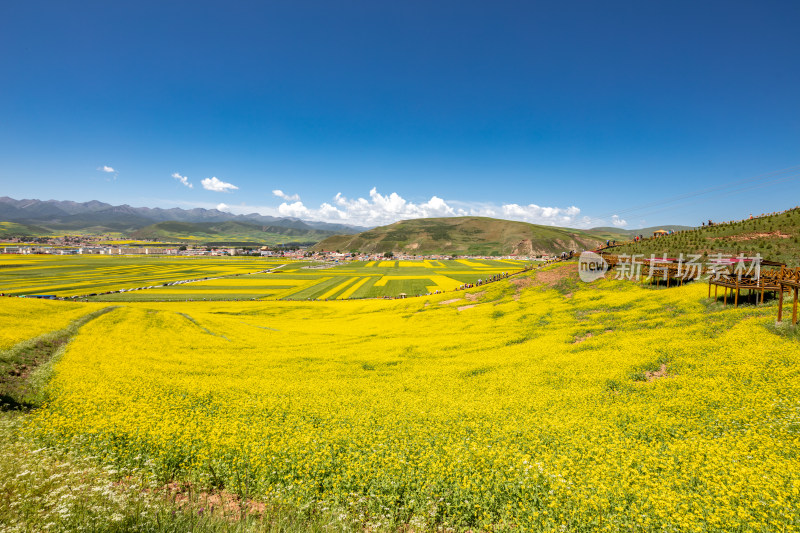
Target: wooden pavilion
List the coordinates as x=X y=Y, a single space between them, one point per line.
x=789 y=282
x=756 y=283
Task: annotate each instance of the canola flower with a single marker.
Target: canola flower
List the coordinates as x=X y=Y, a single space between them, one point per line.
x=154 y=278
x=85 y=274
x=531 y=410
x=22 y=319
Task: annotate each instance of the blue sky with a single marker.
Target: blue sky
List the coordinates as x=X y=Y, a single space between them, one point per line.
x=367 y=112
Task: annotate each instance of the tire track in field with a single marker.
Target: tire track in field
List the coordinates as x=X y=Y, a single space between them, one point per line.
x=205 y=329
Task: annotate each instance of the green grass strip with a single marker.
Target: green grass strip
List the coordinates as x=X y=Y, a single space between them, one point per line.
x=26 y=367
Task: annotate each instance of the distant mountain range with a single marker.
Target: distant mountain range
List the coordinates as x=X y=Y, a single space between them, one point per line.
x=230 y=231
x=40 y=217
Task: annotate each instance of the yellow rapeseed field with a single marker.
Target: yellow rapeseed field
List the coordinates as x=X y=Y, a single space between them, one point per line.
x=608 y=406
x=86 y=274
x=25 y=318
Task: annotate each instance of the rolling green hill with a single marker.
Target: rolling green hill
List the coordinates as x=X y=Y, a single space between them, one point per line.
x=15 y=229
x=464 y=235
x=621 y=234
x=775 y=237
x=202 y=232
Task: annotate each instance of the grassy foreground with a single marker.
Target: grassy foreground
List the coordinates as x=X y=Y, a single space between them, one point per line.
x=50 y=489
x=539 y=404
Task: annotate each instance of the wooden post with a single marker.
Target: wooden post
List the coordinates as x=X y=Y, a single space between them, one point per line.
x=709 y=287
x=794 y=308
x=736 y=297
x=725 y=297
x=780 y=302
x=716 y=287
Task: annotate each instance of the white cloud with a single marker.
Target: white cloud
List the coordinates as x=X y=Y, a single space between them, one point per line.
x=618 y=222
x=216 y=185
x=379 y=209
x=296 y=209
x=533 y=213
x=289 y=198
x=109 y=170
x=183 y=179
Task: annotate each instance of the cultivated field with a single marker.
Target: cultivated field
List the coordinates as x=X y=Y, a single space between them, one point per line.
x=237 y=278
x=537 y=403
x=25 y=319
x=87 y=274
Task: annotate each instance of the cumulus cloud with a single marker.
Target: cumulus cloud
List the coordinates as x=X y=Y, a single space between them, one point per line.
x=540 y=215
x=618 y=222
x=288 y=197
x=379 y=209
x=217 y=185
x=183 y=179
x=296 y=209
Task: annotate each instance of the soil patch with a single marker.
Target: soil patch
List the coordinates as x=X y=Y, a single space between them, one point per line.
x=552 y=276
x=522 y=283
x=466 y=307
x=751 y=236
x=582 y=338
x=224 y=503
x=655 y=374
